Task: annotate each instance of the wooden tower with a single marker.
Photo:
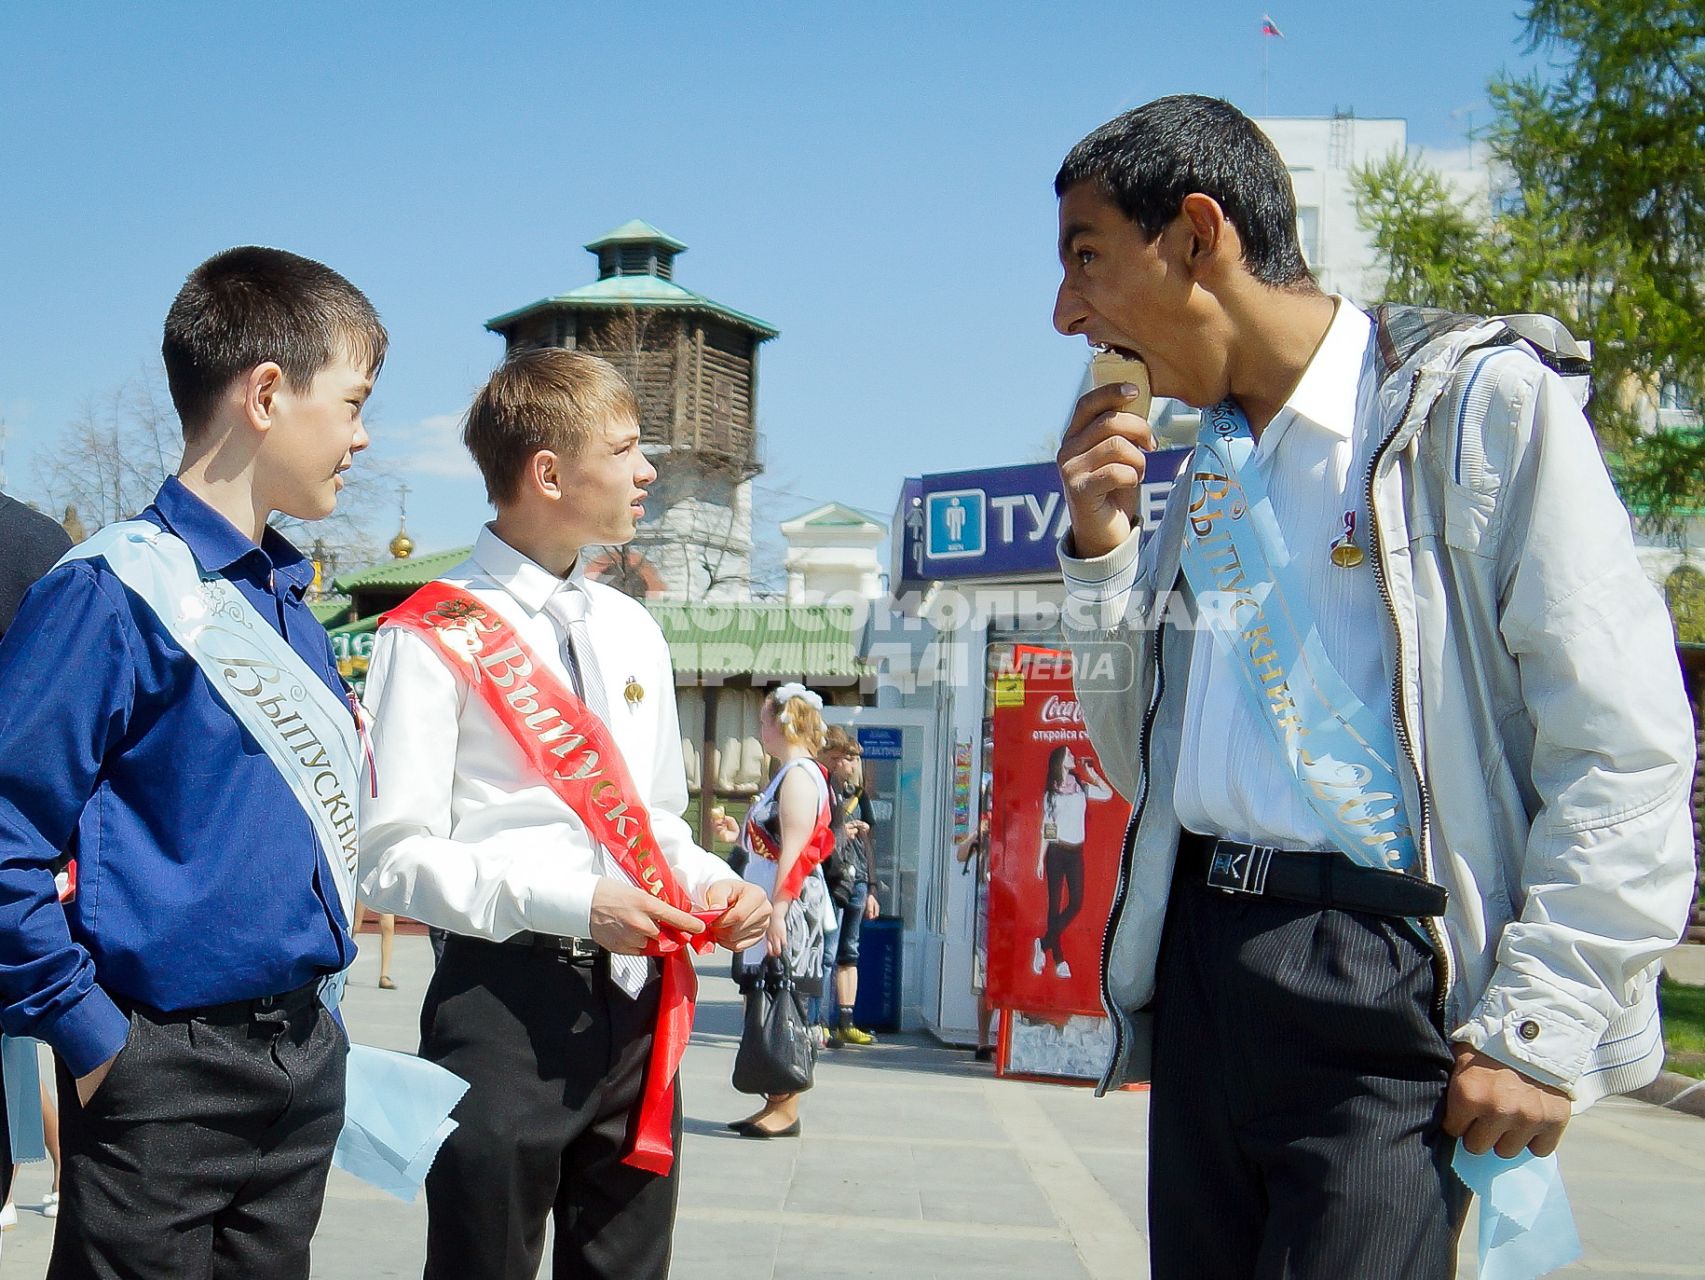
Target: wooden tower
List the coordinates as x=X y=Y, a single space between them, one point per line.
x=693 y=364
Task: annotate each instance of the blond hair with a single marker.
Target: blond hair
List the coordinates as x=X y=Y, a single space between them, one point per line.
x=543 y=398
x=798 y=713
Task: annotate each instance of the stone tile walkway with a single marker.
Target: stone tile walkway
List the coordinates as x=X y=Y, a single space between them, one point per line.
x=916 y=1163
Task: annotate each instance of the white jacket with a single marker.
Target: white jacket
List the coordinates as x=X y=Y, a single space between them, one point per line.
x=1540 y=714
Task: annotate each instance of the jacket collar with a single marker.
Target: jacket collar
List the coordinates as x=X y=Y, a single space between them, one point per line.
x=1400 y=331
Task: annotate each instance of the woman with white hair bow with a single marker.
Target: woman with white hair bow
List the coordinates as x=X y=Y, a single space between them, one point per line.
x=787 y=835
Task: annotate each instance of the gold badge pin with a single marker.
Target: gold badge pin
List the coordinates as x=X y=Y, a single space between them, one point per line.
x=634 y=692
x=1345 y=553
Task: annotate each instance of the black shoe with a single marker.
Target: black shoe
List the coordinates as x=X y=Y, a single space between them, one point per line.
x=984 y=1053
x=747 y=1129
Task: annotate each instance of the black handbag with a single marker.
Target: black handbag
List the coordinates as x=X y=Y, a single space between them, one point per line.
x=777 y=1047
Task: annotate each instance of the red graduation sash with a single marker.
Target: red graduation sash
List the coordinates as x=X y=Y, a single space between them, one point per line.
x=816 y=850
x=573 y=752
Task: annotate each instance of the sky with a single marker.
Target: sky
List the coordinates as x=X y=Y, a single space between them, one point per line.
x=874 y=180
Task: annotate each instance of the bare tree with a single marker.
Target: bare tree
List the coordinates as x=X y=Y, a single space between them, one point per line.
x=114 y=455
x=123 y=444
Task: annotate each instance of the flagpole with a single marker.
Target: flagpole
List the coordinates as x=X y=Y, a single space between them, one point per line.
x=1269 y=32
x=1265 y=42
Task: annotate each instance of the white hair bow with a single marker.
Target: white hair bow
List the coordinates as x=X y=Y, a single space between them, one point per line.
x=786 y=692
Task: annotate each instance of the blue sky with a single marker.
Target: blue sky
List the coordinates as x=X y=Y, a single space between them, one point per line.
x=872 y=179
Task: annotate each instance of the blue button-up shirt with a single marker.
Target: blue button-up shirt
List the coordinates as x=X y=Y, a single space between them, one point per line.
x=200 y=879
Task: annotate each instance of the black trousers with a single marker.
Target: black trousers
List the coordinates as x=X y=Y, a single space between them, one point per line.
x=1062 y=869
x=1299 y=1085
x=555 y=1057
x=204 y=1153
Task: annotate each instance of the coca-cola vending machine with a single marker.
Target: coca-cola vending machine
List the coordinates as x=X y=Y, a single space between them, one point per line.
x=1055 y=834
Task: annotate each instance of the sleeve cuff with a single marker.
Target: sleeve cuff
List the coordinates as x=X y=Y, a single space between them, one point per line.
x=87 y=1033
x=1099 y=589
x=561 y=902
x=1544 y=1035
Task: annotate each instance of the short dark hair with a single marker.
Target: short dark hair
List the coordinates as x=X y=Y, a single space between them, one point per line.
x=249 y=305
x=1147 y=160
x=540 y=398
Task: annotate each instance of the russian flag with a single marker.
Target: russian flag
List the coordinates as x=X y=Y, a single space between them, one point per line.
x=1270 y=28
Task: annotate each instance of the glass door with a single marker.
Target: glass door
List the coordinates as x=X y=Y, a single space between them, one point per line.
x=900 y=779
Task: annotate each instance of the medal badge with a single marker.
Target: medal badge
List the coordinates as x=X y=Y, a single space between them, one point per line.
x=1345 y=553
x=633 y=692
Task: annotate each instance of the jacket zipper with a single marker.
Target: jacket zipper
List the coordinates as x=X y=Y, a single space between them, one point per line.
x=1116 y=1015
x=1399 y=716
x=1441 y=953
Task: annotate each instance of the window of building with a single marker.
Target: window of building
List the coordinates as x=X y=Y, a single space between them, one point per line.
x=1308 y=233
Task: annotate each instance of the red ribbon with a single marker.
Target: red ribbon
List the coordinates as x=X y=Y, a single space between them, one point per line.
x=817 y=848
x=573 y=752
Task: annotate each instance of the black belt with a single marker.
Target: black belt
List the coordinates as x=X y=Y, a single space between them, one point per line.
x=1319 y=879
x=236 y=1013
x=576 y=951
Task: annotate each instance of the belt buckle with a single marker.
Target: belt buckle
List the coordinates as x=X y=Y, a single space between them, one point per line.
x=271 y=1009
x=579 y=952
x=1239 y=868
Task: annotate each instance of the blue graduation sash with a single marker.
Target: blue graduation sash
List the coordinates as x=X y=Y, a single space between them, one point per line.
x=1342 y=754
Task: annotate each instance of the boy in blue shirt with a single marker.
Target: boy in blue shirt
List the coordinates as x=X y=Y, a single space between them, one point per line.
x=200 y=1073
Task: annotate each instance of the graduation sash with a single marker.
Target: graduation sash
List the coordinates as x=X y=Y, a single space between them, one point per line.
x=312 y=736
x=1342 y=754
x=575 y=755
x=817 y=849
x=307 y=731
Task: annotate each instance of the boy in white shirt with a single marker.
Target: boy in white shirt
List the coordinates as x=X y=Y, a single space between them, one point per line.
x=496 y=692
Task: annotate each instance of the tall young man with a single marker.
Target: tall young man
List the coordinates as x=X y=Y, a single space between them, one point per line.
x=167 y=705
x=1489 y=710
x=527 y=795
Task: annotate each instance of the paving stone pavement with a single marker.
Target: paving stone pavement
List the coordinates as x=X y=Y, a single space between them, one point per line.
x=916 y=1162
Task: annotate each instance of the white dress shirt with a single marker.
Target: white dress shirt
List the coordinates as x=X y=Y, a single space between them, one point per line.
x=1232 y=780
x=1069 y=811
x=457 y=829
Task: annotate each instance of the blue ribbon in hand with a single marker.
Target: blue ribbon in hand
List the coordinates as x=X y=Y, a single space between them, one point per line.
x=1526 y=1227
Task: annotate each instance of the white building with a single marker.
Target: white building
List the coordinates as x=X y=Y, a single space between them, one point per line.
x=1321 y=152
x=832 y=552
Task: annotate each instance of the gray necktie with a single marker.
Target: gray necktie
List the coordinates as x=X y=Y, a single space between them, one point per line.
x=568 y=607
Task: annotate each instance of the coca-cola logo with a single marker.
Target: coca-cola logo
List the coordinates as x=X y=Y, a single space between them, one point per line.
x=1058 y=710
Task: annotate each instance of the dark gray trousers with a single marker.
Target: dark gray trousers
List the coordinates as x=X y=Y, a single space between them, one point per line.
x=555 y=1058
x=204 y=1153
x=1299 y=1085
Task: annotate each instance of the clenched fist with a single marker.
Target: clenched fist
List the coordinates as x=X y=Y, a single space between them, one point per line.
x=1101 y=460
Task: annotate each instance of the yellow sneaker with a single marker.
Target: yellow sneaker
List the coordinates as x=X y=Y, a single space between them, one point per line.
x=850 y=1034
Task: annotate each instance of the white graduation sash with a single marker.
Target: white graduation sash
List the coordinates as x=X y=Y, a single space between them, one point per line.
x=397 y=1106
x=306 y=730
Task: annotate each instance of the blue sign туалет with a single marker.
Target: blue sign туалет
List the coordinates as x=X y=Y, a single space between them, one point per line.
x=1000 y=521
x=956 y=524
